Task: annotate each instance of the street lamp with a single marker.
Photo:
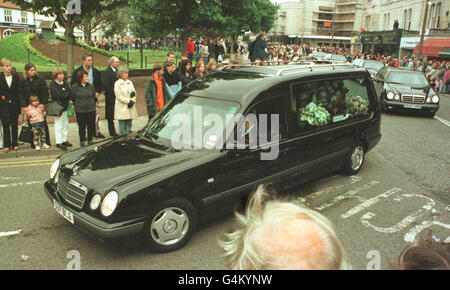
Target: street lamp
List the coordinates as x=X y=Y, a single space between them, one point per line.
x=429 y=3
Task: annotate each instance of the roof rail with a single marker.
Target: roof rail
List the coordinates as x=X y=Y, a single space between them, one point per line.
x=312 y=67
x=280 y=71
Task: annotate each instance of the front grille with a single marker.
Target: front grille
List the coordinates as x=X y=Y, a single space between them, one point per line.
x=71 y=191
x=413 y=99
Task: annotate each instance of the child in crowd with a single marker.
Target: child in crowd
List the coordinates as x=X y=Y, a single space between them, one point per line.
x=36 y=115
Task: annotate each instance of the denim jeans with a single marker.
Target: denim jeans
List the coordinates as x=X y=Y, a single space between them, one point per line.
x=124 y=126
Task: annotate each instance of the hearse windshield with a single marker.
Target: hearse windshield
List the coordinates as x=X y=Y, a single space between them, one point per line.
x=190 y=122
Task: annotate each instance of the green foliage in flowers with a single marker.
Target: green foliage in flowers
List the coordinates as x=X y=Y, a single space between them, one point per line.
x=358 y=106
x=314 y=115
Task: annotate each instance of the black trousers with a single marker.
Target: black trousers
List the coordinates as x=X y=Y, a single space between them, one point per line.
x=10 y=131
x=86 y=121
x=111 y=127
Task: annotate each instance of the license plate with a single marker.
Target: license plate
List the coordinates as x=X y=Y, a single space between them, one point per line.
x=62 y=211
x=412 y=106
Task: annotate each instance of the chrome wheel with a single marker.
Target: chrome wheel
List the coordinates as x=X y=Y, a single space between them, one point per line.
x=169 y=226
x=357 y=158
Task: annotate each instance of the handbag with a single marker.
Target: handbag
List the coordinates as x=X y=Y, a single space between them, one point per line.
x=70 y=110
x=54 y=109
x=26 y=134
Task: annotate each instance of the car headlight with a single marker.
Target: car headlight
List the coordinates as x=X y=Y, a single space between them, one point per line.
x=54 y=168
x=95 y=202
x=397 y=97
x=109 y=203
x=390 y=95
x=435 y=99
x=428 y=100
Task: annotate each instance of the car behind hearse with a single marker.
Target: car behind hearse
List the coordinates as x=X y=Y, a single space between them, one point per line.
x=328 y=118
x=402 y=89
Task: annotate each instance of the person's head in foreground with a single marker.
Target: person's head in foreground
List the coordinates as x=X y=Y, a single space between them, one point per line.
x=282 y=235
x=428 y=254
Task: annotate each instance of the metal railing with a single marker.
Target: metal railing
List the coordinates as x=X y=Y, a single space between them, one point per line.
x=302 y=65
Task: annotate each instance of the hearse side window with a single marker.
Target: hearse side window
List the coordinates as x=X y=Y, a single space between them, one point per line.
x=327 y=102
x=269 y=107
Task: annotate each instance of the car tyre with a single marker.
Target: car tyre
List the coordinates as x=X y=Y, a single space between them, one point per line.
x=355 y=159
x=170 y=225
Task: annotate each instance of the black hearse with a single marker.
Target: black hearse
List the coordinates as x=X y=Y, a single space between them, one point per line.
x=402 y=89
x=326 y=118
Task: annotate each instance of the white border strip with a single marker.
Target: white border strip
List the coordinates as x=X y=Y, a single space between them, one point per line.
x=442 y=120
x=5 y=234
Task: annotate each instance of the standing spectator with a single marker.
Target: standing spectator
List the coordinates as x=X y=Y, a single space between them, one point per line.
x=156 y=95
x=170 y=58
x=259 y=50
x=36 y=116
x=282 y=235
x=185 y=72
x=33 y=85
x=95 y=79
x=200 y=70
x=440 y=77
x=212 y=66
x=109 y=79
x=172 y=80
x=125 y=109
x=61 y=93
x=428 y=254
x=10 y=103
x=85 y=100
x=190 y=49
x=204 y=51
x=446 y=80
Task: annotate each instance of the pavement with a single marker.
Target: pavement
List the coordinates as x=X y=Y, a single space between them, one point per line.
x=26 y=151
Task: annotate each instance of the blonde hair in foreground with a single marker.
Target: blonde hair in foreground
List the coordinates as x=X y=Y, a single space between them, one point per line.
x=282 y=235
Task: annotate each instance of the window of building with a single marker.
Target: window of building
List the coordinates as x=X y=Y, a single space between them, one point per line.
x=321 y=103
x=409 y=18
x=432 y=16
x=8 y=15
x=24 y=17
x=7 y=33
x=438 y=15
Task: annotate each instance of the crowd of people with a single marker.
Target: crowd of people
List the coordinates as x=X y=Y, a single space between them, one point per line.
x=165 y=82
x=30 y=97
x=272 y=233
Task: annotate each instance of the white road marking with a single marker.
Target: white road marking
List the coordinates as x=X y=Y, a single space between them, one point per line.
x=20 y=184
x=442 y=121
x=370 y=202
x=5 y=234
x=9 y=178
x=347 y=195
x=410 y=237
x=404 y=222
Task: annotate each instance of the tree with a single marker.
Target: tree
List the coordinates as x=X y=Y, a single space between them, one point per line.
x=59 y=10
x=248 y=15
x=204 y=17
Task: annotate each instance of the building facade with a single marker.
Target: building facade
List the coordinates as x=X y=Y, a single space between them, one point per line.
x=393 y=27
x=318 y=22
x=13 y=19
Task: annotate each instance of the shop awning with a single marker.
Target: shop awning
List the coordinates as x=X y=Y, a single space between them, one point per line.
x=432 y=47
x=445 y=53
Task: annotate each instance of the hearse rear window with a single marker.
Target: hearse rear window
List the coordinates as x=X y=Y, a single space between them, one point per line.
x=322 y=103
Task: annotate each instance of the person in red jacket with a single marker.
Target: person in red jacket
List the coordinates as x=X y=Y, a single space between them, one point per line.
x=190 y=49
